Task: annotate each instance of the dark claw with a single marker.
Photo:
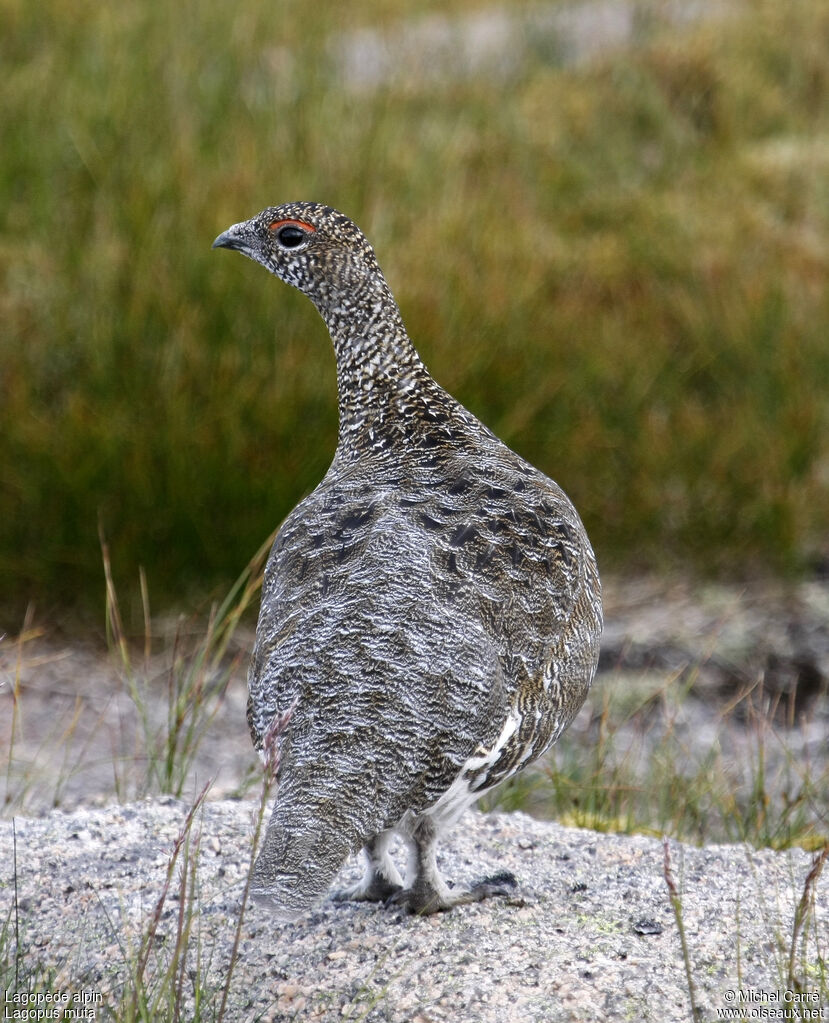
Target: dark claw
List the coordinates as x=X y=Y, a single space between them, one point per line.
x=503 y=877
x=424 y=903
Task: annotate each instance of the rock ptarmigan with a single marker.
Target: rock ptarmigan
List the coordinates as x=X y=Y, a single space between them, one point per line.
x=430 y=613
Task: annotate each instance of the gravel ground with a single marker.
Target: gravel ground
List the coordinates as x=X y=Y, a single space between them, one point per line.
x=591 y=933
x=589 y=936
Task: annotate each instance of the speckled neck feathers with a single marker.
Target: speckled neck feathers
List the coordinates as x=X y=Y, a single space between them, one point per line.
x=378 y=369
x=379 y=373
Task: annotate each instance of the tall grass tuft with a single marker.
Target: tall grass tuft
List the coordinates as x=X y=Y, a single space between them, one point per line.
x=198 y=674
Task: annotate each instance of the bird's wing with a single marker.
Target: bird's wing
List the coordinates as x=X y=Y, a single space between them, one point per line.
x=509 y=552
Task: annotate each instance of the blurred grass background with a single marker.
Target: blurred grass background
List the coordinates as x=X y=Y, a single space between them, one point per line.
x=619 y=266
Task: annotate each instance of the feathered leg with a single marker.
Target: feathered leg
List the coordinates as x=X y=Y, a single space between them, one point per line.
x=426 y=892
x=380 y=880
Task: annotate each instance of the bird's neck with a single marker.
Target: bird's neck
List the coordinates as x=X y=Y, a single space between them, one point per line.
x=377 y=365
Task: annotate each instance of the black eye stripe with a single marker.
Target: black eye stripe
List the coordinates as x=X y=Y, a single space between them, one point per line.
x=290 y=237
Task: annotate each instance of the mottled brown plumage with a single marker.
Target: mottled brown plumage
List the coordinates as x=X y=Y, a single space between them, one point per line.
x=431 y=611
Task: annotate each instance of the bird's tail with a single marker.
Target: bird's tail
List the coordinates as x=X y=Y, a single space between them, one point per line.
x=306 y=843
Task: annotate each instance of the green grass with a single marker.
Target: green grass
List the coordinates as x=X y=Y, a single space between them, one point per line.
x=633 y=767
x=621 y=268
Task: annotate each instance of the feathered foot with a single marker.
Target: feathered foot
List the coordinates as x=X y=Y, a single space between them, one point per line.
x=380 y=881
x=426 y=892
x=425 y=899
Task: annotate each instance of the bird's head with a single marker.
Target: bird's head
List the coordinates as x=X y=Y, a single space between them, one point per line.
x=313 y=247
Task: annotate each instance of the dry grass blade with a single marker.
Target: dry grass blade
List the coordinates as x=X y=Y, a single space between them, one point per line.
x=149 y=935
x=115 y=627
x=16 y=910
x=271 y=768
x=801 y=913
x=676 y=904
x=26 y=633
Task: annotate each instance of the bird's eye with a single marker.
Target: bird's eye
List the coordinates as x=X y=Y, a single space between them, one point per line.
x=290 y=237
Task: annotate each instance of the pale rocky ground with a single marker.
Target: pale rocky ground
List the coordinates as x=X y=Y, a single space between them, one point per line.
x=591 y=933
x=590 y=936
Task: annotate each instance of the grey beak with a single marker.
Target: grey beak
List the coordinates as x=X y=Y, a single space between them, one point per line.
x=233 y=238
